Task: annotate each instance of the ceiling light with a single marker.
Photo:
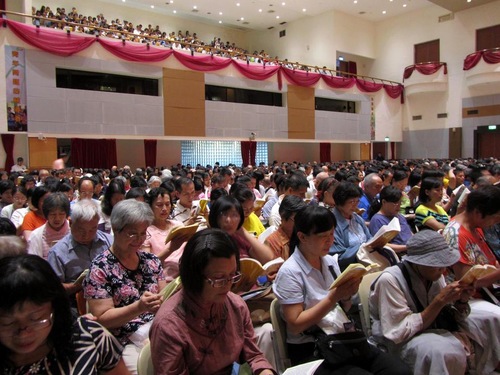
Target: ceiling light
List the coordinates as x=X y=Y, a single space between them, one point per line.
x=237 y=4
x=242 y=18
x=220 y=13
x=404 y=5
x=304 y=9
x=277 y=17
x=283 y=3
x=355 y=1
x=195 y=7
x=175 y=11
x=469 y=1
x=152 y=6
x=260 y=10
x=384 y=12
x=123 y=0
x=220 y=21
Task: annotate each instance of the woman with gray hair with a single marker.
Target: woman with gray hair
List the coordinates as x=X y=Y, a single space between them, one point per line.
x=123 y=284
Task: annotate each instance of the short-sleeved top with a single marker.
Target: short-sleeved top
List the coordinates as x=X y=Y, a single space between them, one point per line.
x=423 y=214
x=156 y=243
x=108 y=278
x=298 y=282
x=95 y=351
x=32 y=221
x=472 y=250
x=378 y=220
x=69 y=258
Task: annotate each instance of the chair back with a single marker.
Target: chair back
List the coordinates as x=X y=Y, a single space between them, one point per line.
x=364 y=294
x=279 y=338
x=144 y=362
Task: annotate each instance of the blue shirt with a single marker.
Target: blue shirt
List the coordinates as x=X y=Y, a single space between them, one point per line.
x=404 y=235
x=69 y=258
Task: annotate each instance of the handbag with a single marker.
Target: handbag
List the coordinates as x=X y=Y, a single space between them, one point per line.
x=342 y=348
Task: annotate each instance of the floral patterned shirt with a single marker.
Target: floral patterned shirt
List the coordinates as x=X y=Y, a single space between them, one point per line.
x=108 y=278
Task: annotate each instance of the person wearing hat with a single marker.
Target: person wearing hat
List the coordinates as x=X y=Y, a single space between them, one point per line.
x=406 y=301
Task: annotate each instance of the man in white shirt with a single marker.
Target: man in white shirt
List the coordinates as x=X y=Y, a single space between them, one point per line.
x=19 y=167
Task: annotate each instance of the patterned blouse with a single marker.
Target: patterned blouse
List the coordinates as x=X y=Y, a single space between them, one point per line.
x=108 y=278
x=96 y=351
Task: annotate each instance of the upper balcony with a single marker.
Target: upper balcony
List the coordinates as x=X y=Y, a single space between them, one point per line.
x=482 y=68
x=426 y=77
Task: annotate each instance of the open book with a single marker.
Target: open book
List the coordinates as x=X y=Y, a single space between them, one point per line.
x=259 y=203
x=353 y=271
x=82 y=276
x=384 y=235
x=251 y=269
x=476 y=272
x=182 y=230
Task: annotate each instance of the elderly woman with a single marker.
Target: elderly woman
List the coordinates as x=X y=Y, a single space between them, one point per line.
x=351 y=230
x=56 y=210
x=37 y=331
x=204 y=328
x=123 y=282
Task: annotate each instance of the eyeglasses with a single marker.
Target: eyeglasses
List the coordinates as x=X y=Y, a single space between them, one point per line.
x=12 y=329
x=219 y=283
x=230 y=215
x=139 y=236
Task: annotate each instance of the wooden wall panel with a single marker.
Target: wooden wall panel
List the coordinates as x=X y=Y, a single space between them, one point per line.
x=365 y=150
x=455 y=143
x=487 y=110
x=42 y=152
x=300 y=104
x=184 y=103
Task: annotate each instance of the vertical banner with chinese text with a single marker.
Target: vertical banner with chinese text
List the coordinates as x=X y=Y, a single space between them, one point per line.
x=15 y=77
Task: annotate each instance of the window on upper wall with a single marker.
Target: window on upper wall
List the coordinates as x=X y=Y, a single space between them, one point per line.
x=235 y=95
x=426 y=52
x=488 y=38
x=335 y=105
x=96 y=81
x=225 y=152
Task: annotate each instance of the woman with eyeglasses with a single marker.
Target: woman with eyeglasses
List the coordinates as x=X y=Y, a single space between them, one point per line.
x=37 y=332
x=205 y=328
x=123 y=284
x=351 y=230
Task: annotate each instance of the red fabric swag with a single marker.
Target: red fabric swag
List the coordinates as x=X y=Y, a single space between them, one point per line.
x=300 y=78
x=426 y=69
x=135 y=52
x=489 y=56
x=205 y=63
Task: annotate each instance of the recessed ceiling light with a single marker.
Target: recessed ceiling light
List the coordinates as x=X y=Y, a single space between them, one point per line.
x=195 y=7
x=277 y=17
x=304 y=9
x=283 y=3
x=175 y=11
x=355 y=1
x=152 y=6
x=384 y=12
x=220 y=21
x=242 y=18
x=260 y=10
x=469 y=1
x=237 y=4
x=220 y=13
x=404 y=5
x=123 y=0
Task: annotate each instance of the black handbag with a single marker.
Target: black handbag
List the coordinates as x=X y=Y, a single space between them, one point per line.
x=342 y=348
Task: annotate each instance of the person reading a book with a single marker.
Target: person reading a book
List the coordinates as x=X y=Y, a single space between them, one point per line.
x=279 y=240
x=227 y=214
x=325 y=192
x=123 y=284
x=38 y=333
x=205 y=328
x=429 y=213
x=464 y=233
x=307 y=302
x=426 y=322
x=389 y=204
x=351 y=230
x=246 y=197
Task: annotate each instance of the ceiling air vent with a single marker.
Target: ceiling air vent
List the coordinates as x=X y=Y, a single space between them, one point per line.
x=270 y=27
x=446 y=17
x=415 y=118
x=246 y=23
x=282 y=33
x=442 y=115
x=195 y=10
x=473 y=112
x=283 y=23
x=270 y=11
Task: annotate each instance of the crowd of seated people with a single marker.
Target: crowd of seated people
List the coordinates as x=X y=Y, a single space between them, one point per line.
x=107 y=246
x=125 y=30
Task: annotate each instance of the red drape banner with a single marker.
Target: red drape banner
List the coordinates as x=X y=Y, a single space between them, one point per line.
x=66 y=44
x=253 y=152
x=489 y=56
x=93 y=153
x=324 y=152
x=8 y=146
x=2 y=5
x=425 y=69
x=245 y=152
x=150 y=152
x=134 y=51
x=50 y=40
x=393 y=149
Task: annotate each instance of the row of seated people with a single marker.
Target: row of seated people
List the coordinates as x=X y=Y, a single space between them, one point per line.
x=228 y=222
x=118 y=29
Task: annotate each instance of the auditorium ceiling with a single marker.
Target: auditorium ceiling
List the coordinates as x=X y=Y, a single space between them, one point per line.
x=267 y=14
